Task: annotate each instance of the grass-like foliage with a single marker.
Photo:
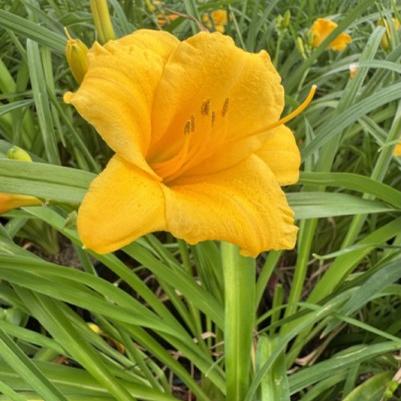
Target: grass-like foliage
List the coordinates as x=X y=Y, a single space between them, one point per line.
x=161 y=320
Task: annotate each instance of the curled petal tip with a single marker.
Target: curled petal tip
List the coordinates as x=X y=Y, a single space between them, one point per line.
x=67 y=97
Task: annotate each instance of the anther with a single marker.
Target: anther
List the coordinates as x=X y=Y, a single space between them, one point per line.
x=205 y=108
x=187 y=128
x=213 y=118
x=192 y=123
x=225 y=107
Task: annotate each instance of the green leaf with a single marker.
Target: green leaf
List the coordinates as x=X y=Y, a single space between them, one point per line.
x=26 y=368
x=29 y=29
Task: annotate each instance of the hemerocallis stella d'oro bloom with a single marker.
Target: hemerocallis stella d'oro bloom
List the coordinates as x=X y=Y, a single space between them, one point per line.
x=199 y=147
x=322 y=28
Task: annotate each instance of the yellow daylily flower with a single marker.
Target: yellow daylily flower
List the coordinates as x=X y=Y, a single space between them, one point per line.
x=385 y=41
x=218 y=20
x=322 y=28
x=397 y=149
x=200 y=150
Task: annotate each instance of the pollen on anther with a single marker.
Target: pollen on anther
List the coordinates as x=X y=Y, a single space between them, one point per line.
x=225 y=107
x=205 y=108
x=187 y=127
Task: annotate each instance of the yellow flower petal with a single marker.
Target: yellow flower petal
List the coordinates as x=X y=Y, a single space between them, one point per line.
x=280 y=152
x=341 y=42
x=14 y=201
x=243 y=205
x=123 y=203
x=216 y=93
x=322 y=28
x=117 y=92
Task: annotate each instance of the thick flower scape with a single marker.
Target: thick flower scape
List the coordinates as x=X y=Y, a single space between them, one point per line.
x=194 y=155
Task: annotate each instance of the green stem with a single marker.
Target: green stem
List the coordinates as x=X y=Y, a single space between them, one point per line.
x=239 y=319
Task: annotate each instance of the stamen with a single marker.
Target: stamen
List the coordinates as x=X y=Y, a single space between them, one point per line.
x=192 y=124
x=69 y=37
x=187 y=127
x=296 y=112
x=225 y=107
x=213 y=118
x=205 y=108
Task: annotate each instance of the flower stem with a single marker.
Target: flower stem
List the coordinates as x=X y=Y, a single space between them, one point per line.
x=239 y=319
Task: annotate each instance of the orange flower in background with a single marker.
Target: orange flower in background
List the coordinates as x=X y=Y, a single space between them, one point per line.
x=218 y=20
x=166 y=19
x=322 y=28
x=200 y=150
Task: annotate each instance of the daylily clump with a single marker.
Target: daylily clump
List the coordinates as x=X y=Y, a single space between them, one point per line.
x=200 y=150
x=322 y=28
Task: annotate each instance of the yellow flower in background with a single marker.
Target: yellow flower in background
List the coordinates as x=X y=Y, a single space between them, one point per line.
x=166 y=19
x=199 y=147
x=397 y=149
x=322 y=28
x=218 y=20
x=385 y=42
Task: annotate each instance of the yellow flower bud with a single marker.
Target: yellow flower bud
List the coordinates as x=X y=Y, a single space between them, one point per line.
x=76 y=53
x=385 y=41
x=150 y=6
x=102 y=20
x=300 y=46
x=286 y=19
x=14 y=201
x=16 y=153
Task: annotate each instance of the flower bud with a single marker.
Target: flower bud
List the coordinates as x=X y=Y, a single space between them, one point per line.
x=76 y=53
x=300 y=46
x=286 y=19
x=102 y=20
x=16 y=153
